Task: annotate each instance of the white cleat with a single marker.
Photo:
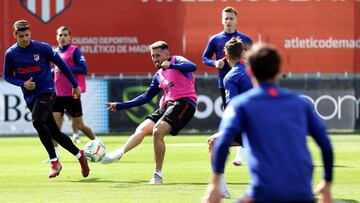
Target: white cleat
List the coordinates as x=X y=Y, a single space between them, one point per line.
x=111 y=157
x=156 y=180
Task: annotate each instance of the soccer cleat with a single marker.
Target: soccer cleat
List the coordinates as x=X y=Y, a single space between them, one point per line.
x=111 y=157
x=156 y=180
x=85 y=170
x=55 y=169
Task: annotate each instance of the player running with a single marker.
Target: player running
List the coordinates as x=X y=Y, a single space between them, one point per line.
x=27 y=65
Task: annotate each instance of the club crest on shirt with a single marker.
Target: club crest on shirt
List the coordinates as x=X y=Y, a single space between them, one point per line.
x=36 y=57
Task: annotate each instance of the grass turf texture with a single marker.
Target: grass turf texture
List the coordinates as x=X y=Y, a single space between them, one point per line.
x=186 y=172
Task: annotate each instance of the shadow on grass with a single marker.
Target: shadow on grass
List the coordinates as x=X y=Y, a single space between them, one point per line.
x=335 y=166
x=101 y=180
x=141 y=182
x=345 y=201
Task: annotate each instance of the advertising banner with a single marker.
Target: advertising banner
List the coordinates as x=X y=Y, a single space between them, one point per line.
x=334 y=100
x=337 y=102
x=312 y=35
x=15 y=117
x=206 y=118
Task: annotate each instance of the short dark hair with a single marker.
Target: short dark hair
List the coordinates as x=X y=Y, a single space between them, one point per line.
x=62 y=28
x=234 y=48
x=264 y=61
x=229 y=10
x=21 y=25
x=159 y=44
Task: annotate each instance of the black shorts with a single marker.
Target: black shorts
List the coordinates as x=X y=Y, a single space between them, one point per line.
x=177 y=113
x=68 y=104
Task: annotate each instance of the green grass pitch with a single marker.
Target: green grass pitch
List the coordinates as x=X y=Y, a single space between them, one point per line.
x=186 y=172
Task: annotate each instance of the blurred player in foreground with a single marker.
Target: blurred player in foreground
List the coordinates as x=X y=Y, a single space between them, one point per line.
x=27 y=65
x=275 y=123
x=236 y=82
x=177 y=106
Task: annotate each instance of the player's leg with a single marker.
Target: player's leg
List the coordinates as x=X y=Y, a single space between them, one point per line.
x=134 y=140
x=74 y=108
x=176 y=116
x=239 y=156
x=58 y=116
x=223 y=185
x=239 y=152
x=211 y=143
x=223 y=97
x=58 y=112
x=161 y=128
x=67 y=144
x=76 y=133
x=41 y=110
x=81 y=125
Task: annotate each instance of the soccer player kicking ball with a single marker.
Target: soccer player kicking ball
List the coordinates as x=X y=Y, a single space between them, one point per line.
x=236 y=82
x=27 y=65
x=177 y=105
x=274 y=123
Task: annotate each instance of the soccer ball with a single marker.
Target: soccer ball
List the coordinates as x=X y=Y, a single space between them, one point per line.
x=95 y=150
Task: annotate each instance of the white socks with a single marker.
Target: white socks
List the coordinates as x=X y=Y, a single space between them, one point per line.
x=159 y=173
x=119 y=153
x=56 y=151
x=223 y=187
x=78 y=155
x=239 y=156
x=75 y=135
x=54 y=159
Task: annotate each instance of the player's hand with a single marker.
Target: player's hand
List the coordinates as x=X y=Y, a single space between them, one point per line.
x=212 y=194
x=165 y=64
x=29 y=84
x=219 y=64
x=76 y=93
x=211 y=142
x=57 y=70
x=112 y=106
x=323 y=189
